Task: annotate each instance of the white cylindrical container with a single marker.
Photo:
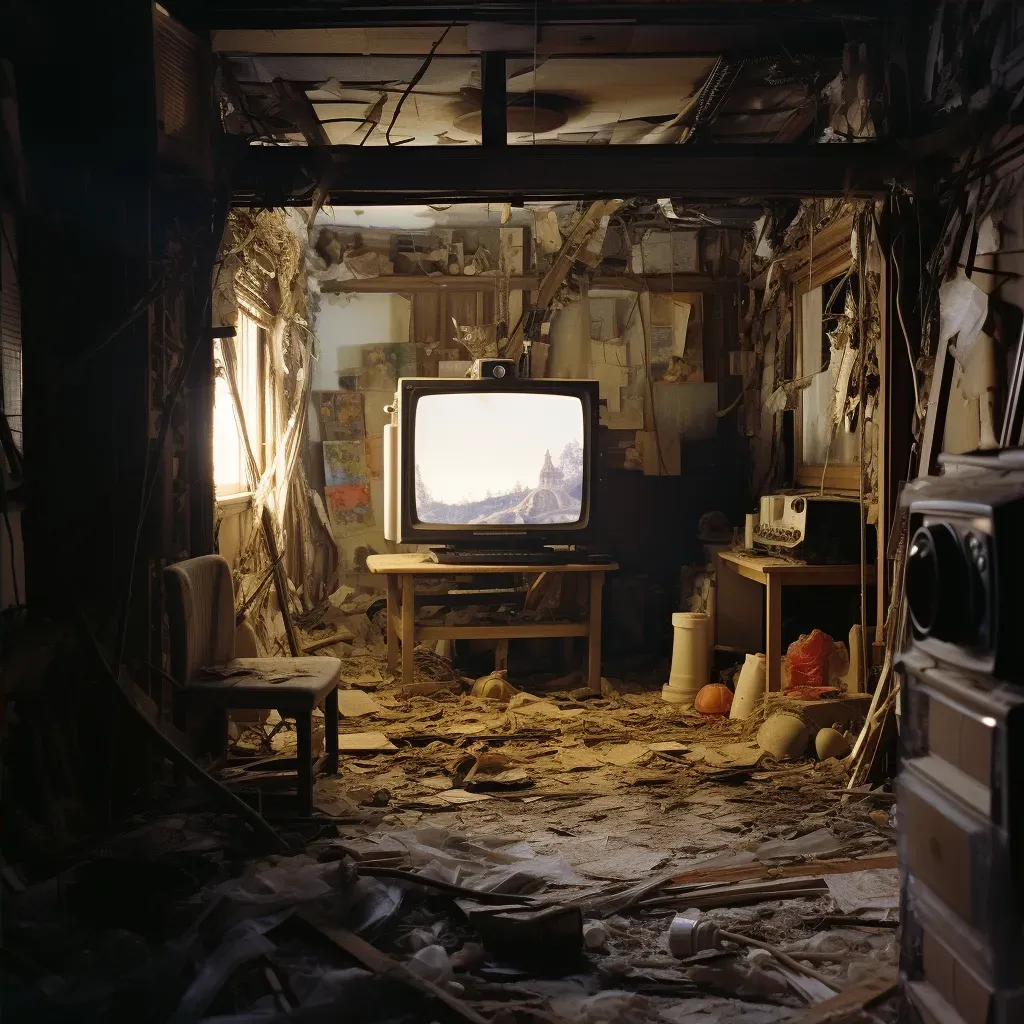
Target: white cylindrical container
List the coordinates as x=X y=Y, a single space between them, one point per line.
x=748 y=532
x=855 y=674
x=710 y=608
x=750 y=686
x=689 y=670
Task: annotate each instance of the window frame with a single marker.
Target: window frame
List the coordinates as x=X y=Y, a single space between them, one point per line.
x=830 y=258
x=253 y=399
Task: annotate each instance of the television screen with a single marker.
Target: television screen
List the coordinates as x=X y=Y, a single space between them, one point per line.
x=498 y=458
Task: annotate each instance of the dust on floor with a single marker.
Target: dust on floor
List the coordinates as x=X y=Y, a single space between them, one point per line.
x=505 y=861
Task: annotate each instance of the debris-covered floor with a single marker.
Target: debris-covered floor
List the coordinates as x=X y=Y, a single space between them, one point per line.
x=583 y=823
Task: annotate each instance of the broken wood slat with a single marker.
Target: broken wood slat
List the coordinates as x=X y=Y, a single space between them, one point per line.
x=167 y=738
x=276 y=987
x=280 y=584
x=338 y=638
x=563 y=263
x=808 y=880
x=711 y=897
x=380 y=963
x=848 y=920
x=755 y=871
x=267 y=576
x=857 y=997
x=723 y=898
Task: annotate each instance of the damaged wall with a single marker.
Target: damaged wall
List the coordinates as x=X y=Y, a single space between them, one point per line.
x=264 y=267
x=826 y=244
x=622 y=309
x=352 y=327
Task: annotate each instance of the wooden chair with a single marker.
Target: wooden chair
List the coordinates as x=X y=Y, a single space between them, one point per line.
x=201 y=613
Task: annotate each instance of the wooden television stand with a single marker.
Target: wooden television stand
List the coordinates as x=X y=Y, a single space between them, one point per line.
x=401 y=572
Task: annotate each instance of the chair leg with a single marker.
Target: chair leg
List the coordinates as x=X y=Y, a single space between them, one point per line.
x=179 y=716
x=304 y=763
x=331 y=731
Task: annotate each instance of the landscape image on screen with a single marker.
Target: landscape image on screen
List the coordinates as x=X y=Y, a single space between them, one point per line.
x=498 y=459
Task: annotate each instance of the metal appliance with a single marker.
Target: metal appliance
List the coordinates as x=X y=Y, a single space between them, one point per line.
x=961 y=783
x=823 y=528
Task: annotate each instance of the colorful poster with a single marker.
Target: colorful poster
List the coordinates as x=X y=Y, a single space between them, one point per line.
x=341 y=415
x=346 y=484
x=384 y=364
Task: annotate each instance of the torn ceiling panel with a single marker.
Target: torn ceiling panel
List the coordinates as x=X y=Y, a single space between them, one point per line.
x=607 y=101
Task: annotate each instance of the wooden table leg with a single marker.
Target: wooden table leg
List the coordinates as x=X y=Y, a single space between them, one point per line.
x=408 y=628
x=501 y=656
x=594 y=635
x=393 y=623
x=773 y=634
x=304 y=762
x=331 y=731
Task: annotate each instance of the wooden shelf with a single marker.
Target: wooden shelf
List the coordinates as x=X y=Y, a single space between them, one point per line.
x=793 y=573
x=409 y=283
x=526 y=631
x=419 y=564
x=406 y=283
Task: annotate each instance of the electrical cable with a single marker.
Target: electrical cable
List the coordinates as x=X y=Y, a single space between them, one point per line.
x=906 y=334
x=862 y=247
x=412 y=84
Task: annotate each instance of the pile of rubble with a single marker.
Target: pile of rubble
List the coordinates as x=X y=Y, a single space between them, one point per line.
x=559 y=855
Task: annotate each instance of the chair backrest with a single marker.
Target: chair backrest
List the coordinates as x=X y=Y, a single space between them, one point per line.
x=201 y=614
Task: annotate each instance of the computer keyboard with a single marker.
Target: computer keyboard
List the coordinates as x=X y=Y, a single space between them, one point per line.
x=511 y=558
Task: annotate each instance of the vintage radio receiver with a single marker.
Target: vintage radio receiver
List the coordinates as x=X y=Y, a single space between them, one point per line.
x=812 y=526
x=965 y=554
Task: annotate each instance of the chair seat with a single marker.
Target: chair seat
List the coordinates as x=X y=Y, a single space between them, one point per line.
x=279 y=683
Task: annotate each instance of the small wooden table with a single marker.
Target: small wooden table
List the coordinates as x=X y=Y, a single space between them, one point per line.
x=401 y=571
x=774 y=573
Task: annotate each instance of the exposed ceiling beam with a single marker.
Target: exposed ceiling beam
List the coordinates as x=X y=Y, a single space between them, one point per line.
x=270 y=175
x=336 y=13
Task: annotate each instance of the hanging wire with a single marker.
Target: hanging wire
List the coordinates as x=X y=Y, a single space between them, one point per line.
x=412 y=85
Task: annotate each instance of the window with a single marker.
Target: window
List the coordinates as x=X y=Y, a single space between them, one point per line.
x=230 y=470
x=826 y=355
x=10 y=331
x=825 y=436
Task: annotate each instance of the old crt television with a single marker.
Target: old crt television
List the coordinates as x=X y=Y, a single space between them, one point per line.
x=492 y=464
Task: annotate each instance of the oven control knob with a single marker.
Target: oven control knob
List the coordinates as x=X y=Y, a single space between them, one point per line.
x=938 y=584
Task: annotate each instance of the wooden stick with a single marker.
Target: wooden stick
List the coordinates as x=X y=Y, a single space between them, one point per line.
x=857 y=996
x=280 y=585
x=811 y=869
x=240 y=614
x=380 y=963
x=338 y=638
x=162 y=732
x=783 y=958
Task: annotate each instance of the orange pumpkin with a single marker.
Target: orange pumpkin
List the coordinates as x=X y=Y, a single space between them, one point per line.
x=713 y=699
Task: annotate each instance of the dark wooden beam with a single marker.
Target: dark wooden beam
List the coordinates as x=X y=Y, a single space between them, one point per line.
x=271 y=175
x=493 y=121
x=337 y=13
